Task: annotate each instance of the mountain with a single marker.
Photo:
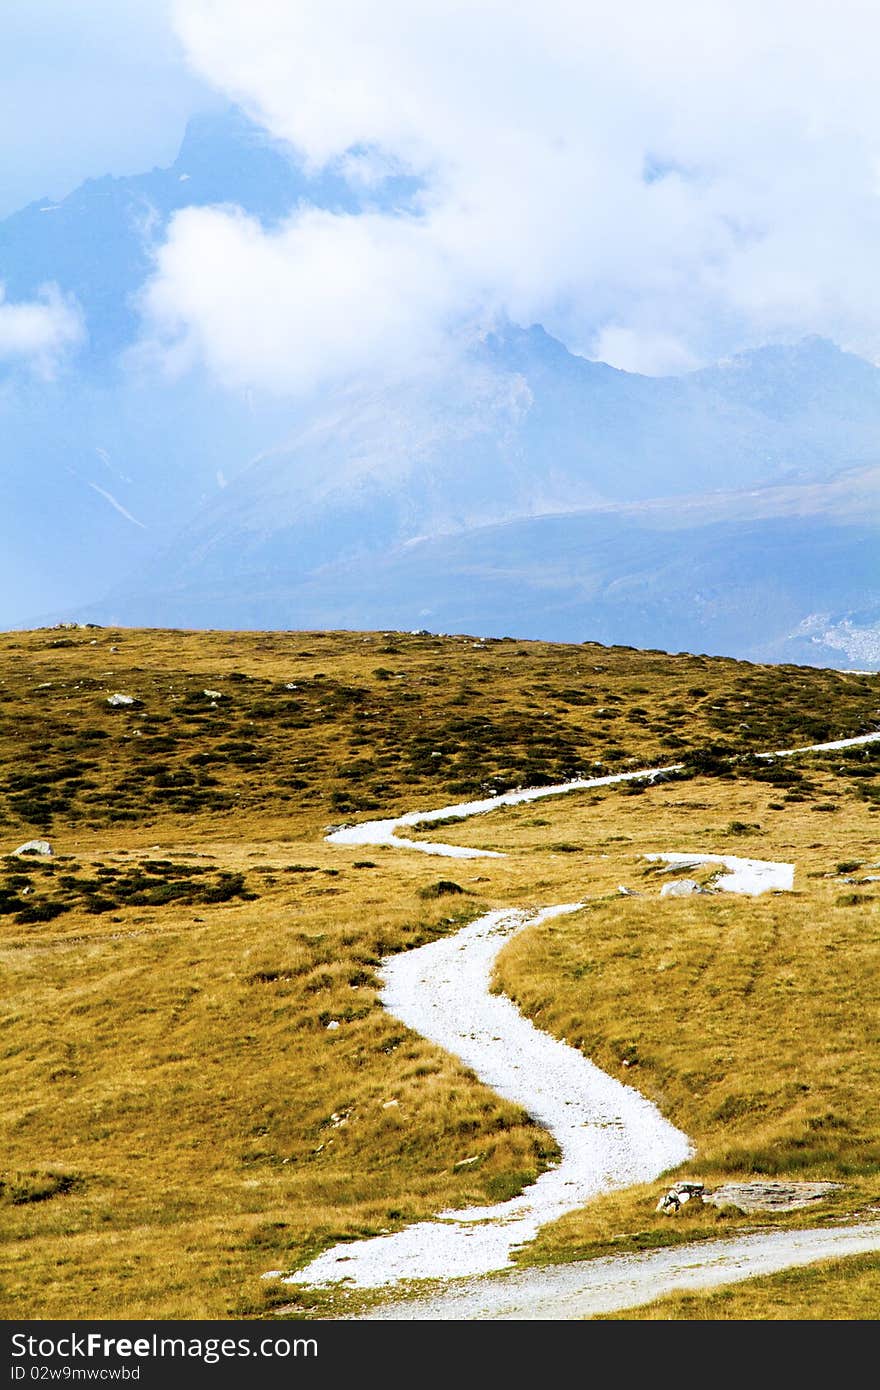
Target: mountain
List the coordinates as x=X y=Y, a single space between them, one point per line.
x=797 y=588
x=100 y=464
x=520 y=498
x=97 y=243
x=525 y=487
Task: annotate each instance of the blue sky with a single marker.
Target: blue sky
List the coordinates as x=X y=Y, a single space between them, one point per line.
x=88 y=88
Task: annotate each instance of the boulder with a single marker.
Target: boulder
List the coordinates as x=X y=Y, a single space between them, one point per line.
x=770 y=1196
x=120 y=701
x=41 y=847
x=688 y=1190
x=747 y=1197
x=681 y=888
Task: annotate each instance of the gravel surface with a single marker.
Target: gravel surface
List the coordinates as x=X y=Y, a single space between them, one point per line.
x=609 y=1135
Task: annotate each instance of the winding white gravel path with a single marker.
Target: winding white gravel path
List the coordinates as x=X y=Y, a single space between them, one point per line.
x=383 y=832
x=609 y=1135
x=589 y=1287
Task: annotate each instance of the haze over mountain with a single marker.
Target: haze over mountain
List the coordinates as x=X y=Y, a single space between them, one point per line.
x=514 y=488
x=102 y=456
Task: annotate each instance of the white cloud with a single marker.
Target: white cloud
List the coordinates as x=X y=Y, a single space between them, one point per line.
x=658 y=184
x=651 y=354
x=319 y=299
x=39 y=331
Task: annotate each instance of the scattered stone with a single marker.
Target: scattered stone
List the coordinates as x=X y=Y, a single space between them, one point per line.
x=120 y=701
x=41 y=847
x=687 y=1190
x=681 y=888
x=749 y=1197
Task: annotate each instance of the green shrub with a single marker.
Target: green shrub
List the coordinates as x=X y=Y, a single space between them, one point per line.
x=440 y=889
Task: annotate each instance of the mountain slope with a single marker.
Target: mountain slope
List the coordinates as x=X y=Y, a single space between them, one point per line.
x=188 y=503
x=97 y=243
x=519 y=501
x=765 y=590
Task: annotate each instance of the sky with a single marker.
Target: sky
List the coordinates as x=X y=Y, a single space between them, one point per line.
x=659 y=185
x=96 y=87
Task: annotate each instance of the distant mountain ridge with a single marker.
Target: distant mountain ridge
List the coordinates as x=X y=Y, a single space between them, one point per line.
x=797 y=588
x=97 y=242
x=368 y=517
x=692 y=509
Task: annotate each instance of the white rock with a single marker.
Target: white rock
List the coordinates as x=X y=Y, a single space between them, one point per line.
x=35 y=847
x=681 y=888
x=117 y=700
x=213 y=694
x=677 y=1196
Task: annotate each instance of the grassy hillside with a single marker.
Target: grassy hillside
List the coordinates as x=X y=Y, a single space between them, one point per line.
x=180 y=1117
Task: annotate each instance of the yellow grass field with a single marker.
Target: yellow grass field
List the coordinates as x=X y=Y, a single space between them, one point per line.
x=178 y=1118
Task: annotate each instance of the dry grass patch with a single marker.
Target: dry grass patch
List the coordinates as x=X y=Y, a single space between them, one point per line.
x=201 y=1084
x=750 y=1022
x=834 y=1290
x=236 y=1074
